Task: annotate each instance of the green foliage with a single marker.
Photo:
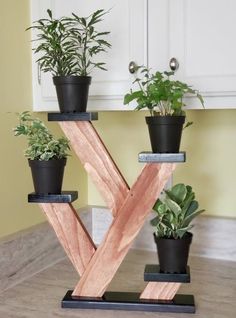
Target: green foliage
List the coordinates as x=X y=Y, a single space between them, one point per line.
x=67 y=46
x=159 y=94
x=41 y=143
x=175 y=212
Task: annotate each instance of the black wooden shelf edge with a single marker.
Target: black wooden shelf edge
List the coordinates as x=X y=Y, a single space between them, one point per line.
x=130 y=301
x=152 y=274
x=63 y=197
x=86 y=116
x=162 y=157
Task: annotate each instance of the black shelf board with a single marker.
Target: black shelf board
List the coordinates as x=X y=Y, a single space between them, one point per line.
x=86 y=116
x=152 y=274
x=130 y=301
x=63 y=197
x=150 y=157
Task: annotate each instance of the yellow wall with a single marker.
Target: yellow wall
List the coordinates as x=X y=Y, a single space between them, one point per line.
x=210 y=144
x=16 y=96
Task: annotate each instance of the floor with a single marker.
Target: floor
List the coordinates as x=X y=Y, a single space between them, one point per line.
x=213 y=283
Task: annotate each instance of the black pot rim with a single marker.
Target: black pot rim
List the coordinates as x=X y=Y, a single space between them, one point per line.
x=72 y=79
x=47 y=163
x=187 y=236
x=165 y=120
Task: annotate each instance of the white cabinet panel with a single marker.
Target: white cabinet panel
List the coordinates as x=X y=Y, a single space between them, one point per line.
x=127 y=21
x=201 y=36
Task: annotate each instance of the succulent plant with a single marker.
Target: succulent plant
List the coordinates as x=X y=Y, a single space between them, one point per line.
x=175 y=211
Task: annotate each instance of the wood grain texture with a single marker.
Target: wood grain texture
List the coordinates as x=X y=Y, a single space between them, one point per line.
x=160 y=291
x=97 y=162
x=123 y=230
x=71 y=233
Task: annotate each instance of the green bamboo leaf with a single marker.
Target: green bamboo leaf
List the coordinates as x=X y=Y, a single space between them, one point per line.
x=49 y=13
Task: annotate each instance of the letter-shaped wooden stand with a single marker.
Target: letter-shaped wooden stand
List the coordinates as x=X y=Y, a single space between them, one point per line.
x=97 y=266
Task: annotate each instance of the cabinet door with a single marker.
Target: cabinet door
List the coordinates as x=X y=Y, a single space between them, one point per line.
x=200 y=34
x=127 y=20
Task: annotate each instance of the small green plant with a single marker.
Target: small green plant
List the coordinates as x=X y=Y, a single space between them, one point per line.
x=175 y=212
x=159 y=94
x=67 y=46
x=41 y=143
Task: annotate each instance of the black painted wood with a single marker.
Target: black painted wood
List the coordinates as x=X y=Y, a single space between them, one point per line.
x=152 y=274
x=130 y=302
x=64 y=197
x=88 y=116
x=161 y=157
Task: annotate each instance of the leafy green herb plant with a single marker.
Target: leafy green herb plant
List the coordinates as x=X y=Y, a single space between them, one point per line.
x=175 y=212
x=67 y=46
x=41 y=143
x=158 y=93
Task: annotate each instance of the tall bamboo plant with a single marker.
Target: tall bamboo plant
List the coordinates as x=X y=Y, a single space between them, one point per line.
x=68 y=46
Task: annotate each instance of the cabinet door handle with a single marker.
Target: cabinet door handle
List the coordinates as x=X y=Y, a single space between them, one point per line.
x=174 y=64
x=132 y=67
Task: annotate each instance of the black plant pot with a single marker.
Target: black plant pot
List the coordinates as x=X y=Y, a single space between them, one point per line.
x=165 y=133
x=173 y=253
x=47 y=175
x=72 y=93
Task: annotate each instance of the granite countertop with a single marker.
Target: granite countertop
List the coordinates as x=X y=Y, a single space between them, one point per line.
x=213 y=283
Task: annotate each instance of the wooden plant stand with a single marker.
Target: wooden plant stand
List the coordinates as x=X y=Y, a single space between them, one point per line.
x=97 y=266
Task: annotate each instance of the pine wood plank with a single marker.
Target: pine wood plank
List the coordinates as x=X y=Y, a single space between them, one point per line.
x=97 y=162
x=123 y=230
x=71 y=233
x=160 y=291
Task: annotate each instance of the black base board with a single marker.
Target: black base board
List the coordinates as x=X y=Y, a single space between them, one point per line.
x=130 y=302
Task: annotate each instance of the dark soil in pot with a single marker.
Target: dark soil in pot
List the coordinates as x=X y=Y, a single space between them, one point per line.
x=47 y=175
x=72 y=93
x=165 y=133
x=173 y=253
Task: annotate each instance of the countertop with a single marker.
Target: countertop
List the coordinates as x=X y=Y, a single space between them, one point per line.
x=213 y=283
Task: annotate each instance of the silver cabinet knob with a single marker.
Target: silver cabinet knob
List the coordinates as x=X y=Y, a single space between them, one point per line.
x=174 y=64
x=132 y=67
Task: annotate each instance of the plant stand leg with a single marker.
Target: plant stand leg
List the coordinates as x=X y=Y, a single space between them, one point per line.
x=160 y=291
x=123 y=230
x=71 y=233
x=97 y=161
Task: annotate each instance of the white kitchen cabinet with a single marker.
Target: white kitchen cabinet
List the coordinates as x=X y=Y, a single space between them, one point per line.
x=201 y=36
x=127 y=21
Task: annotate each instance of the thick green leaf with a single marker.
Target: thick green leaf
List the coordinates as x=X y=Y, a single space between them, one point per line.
x=192 y=208
x=157 y=204
x=180 y=232
x=177 y=193
x=189 y=219
x=155 y=221
x=173 y=206
x=162 y=209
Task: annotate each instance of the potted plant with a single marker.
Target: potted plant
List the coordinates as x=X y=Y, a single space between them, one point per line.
x=163 y=97
x=172 y=224
x=67 y=48
x=46 y=155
